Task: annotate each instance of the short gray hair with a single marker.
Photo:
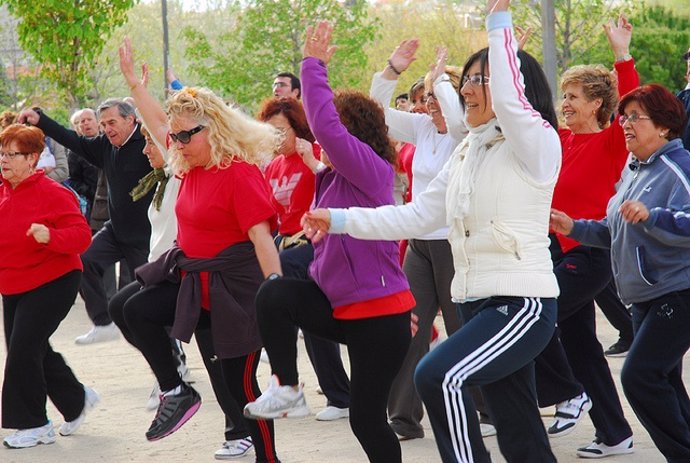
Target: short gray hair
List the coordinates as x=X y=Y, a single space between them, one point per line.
x=123 y=108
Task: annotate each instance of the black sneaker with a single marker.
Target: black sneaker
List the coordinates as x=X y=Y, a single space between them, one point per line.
x=619 y=349
x=173 y=412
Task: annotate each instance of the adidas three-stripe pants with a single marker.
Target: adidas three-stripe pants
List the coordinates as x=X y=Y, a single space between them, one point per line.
x=494 y=349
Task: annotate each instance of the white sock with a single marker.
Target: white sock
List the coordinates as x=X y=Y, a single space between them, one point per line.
x=177 y=391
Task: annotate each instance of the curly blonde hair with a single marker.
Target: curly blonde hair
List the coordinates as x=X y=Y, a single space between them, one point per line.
x=597 y=82
x=455 y=74
x=231 y=134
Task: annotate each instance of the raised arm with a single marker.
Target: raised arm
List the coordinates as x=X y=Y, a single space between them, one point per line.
x=402 y=125
x=150 y=109
x=351 y=158
x=533 y=140
x=447 y=97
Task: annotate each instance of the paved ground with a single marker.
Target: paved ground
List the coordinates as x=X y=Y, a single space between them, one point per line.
x=114 y=431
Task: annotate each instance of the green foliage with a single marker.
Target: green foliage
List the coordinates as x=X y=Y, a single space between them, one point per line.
x=660 y=38
x=66 y=37
x=268 y=37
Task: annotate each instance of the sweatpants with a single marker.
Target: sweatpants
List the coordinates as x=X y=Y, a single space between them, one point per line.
x=494 y=349
x=428 y=266
x=582 y=273
x=615 y=311
x=104 y=252
x=33 y=371
x=234 y=422
x=376 y=347
x=148 y=312
x=651 y=375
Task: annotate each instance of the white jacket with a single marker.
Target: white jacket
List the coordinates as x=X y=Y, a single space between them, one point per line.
x=499 y=236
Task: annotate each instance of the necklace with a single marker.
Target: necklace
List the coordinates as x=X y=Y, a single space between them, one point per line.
x=436 y=141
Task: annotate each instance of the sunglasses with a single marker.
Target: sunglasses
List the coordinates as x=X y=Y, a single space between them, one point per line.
x=185 y=136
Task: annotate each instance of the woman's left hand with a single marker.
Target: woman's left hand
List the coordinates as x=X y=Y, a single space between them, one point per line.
x=634 y=211
x=439 y=67
x=414 y=323
x=316 y=224
x=317 y=43
x=39 y=232
x=619 y=36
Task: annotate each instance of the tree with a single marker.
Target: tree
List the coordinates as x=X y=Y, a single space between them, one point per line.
x=66 y=37
x=578 y=26
x=268 y=37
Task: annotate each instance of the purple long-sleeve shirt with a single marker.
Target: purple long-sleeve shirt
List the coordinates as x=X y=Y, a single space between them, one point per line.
x=348 y=270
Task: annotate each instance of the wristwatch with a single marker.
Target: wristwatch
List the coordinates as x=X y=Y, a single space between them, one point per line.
x=273 y=276
x=623 y=57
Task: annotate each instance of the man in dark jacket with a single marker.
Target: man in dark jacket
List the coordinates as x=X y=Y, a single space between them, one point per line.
x=684 y=97
x=117 y=151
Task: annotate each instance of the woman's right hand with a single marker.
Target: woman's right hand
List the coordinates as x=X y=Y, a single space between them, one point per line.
x=305 y=150
x=317 y=43
x=560 y=222
x=127 y=66
x=316 y=224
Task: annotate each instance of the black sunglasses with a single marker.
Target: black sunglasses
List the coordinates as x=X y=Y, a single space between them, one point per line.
x=185 y=136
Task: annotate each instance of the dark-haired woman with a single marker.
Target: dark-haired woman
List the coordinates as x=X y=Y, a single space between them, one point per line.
x=494 y=194
x=647 y=229
x=291 y=175
x=594 y=154
x=358 y=294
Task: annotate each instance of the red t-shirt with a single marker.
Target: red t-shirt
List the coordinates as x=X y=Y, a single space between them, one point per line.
x=216 y=208
x=405 y=157
x=292 y=183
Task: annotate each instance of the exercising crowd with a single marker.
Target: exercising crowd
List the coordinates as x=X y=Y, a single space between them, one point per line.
x=357 y=223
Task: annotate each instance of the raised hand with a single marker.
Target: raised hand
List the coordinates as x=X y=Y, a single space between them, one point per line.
x=403 y=55
x=305 y=150
x=439 y=66
x=619 y=35
x=28 y=116
x=127 y=64
x=493 y=6
x=317 y=42
x=316 y=224
x=523 y=36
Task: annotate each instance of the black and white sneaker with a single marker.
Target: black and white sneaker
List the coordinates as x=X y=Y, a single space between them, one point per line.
x=568 y=414
x=598 y=449
x=619 y=349
x=174 y=411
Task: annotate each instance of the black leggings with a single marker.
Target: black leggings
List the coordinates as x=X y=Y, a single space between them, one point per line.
x=33 y=370
x=376 y=346
x=148 y=312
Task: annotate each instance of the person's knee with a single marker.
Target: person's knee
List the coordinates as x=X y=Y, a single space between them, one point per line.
x=427 y=378
x=635 y=376
x=268 y=297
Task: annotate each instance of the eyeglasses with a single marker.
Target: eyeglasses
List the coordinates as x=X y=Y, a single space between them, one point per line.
x=429 y=95
x=280 y=84
x=633 y=118
x=185 y=136
x=12 y=155
x=476 y=80
x=283 y=130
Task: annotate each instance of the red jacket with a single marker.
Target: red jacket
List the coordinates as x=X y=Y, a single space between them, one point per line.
x=24 y=263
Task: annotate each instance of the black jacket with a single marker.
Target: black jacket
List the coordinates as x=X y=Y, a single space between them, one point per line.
x=123 y=168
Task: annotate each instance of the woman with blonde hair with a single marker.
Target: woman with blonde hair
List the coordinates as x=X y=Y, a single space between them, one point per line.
x=224 y=251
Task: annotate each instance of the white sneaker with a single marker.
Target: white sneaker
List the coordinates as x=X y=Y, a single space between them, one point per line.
x=91 y=398
x=487 y=429
x=154 y=398
x=598 y=449
x=232 y=449
x=278 y=402
x=99 y=334
x=568 y=414
x=331 y=413
x=24 y=438
x=264 y=357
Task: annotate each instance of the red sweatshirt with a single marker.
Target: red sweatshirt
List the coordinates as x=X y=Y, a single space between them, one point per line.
x=592 y=164
x=26 y=264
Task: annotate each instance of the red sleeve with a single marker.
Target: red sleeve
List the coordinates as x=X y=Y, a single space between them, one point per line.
x=253 y=200
x=69 y=232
